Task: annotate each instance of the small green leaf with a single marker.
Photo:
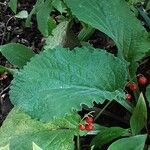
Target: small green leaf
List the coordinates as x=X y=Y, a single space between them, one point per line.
x=22 y=14
x=148 y=93
x=13 y=5
x=60 y=77
x=5 y=147
x=43 y=16
x=58 y=36
x=20 y=131
x=139 y=116
x=51 y=25
x=17 y=54
x=131 y=143
x=148 y=5
x=107 y=135
x=61 y=37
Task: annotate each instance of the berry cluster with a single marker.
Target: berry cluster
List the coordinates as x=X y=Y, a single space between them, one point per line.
x=142 y=81
x=88 y=124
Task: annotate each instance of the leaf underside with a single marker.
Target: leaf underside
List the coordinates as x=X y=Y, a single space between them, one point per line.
x=58 y=81
x=19 y=132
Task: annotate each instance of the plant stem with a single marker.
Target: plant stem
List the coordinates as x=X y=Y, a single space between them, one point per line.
x=78 y=142
x=102 y=110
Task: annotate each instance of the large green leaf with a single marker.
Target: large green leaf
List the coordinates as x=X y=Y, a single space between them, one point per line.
x=114 y=18
x=17 y=54
x=130 y=143
x=57 y=81
x=20 y=131
x=107 y=135
x=139 y=116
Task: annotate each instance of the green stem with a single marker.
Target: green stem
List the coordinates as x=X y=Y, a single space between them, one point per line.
x=78 y=142
x=102 y=110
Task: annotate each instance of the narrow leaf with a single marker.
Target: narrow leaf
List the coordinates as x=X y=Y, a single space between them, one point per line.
x=139 y=116
x=13 y=5
x=107 y=135
x=130 y=143
x=36 y=8
x=59 y=5
x=17 y=54
x=59 y=77
x=148 y=93
x=43 y=16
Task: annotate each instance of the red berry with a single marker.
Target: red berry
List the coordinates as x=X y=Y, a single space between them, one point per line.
x=89 y=127
x=132 y=86
x=129 y=97
x=89 y=120
x=82 y=127
x=142 y=80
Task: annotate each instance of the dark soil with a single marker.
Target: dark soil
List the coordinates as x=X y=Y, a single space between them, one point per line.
x=14 y=30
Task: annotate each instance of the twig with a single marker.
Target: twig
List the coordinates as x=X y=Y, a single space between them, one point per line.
x=107 y=113
x=102 y=110
x=6 y=29
x=4 y=90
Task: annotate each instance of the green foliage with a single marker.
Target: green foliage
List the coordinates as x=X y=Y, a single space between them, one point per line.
x=107 y=135
x=61 y=77
x=5 y=69
x=13 y=5
x=148 y=93
x=20 y=131
x=130 y=143
x=43 y=17
x=135 y=1
x=22 y=14
x=17 y=54
x=115 y=19
x=58 y=36
x=139 y=116
x=52 y=86
x=86 y=32
x=36 y=8
x=59 y=5
x=62 y=37
x=5 y=147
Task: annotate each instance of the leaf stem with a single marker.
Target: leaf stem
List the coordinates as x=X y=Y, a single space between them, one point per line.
x=102 y=110
x=78 y=142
